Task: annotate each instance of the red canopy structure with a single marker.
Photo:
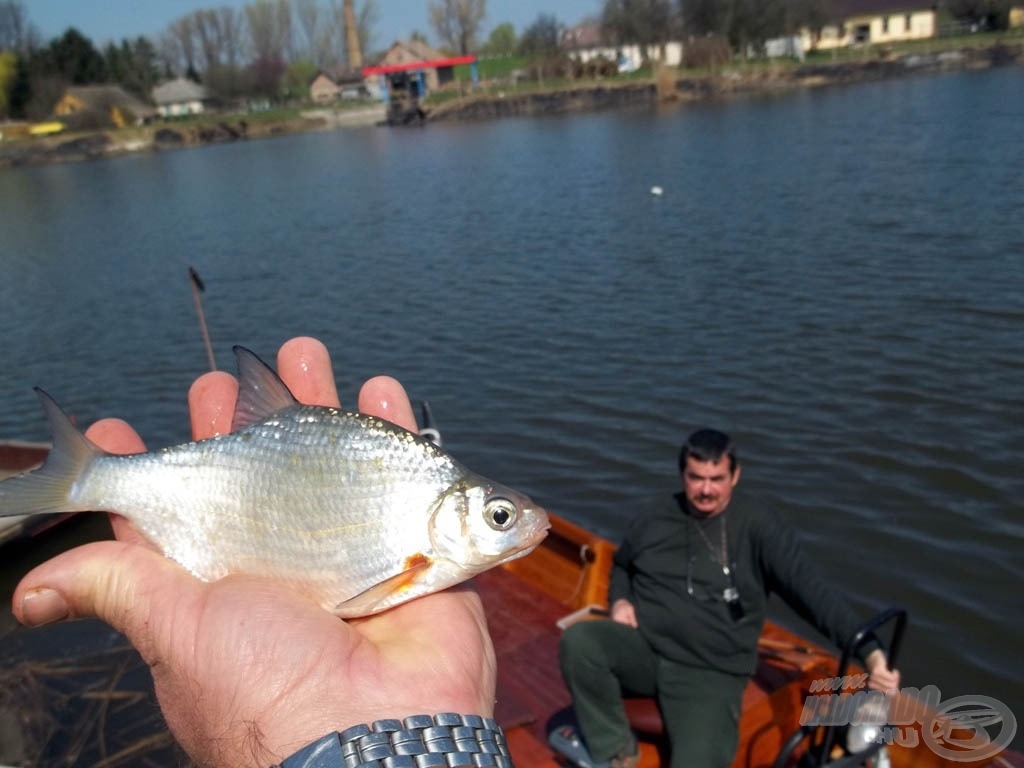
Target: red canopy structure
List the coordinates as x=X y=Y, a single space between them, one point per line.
x=410 y=66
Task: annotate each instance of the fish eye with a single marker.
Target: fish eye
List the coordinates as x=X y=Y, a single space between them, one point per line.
x=500 y=513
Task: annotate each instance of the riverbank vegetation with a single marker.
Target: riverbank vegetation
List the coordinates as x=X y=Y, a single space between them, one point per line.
x=268 y=51
x=257 y=62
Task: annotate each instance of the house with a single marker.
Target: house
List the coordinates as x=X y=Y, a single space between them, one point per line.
x=585 y=43
x=332 y=85
x=873 y=22
x=408 y=71
x=101 y=106
x=429 y=66
x=180 y=97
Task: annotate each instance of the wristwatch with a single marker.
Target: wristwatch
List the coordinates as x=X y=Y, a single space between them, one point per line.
x=419 y=741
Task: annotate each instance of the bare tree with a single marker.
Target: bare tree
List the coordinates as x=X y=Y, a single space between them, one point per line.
x=230 y=25
x=206 y=27
x=322 y=32
x=178 y=46
x=16 y=31
x=270 y=29
x=366 y=19
x=457 y=22
x=310 y=17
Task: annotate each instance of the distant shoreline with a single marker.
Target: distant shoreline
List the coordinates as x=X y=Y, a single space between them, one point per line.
x=728 y=82
x=585 y=98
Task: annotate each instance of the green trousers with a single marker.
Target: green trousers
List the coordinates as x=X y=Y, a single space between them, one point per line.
x=601 y=660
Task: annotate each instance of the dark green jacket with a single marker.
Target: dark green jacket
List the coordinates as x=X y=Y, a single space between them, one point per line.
x=663 y=552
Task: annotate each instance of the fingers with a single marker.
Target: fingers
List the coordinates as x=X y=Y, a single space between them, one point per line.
x=115 y=436
x=305 y=367
x=304 y=364
x=114 y=581
x=384 y=397
x=211 y=404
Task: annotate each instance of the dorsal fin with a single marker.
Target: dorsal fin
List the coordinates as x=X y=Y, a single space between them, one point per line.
x=261 y=393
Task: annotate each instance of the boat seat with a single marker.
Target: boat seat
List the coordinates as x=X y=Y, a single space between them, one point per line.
x=644 y=717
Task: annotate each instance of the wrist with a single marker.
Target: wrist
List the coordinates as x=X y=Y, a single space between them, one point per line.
x=418 y=741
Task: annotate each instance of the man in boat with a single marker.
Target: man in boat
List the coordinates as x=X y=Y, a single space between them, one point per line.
x=688 y=595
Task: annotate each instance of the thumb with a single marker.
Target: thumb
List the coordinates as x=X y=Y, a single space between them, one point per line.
x=109 y=580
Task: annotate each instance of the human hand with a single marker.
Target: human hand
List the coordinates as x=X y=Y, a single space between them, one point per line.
x=624 y=612
x=880 y=677
x=246 y=671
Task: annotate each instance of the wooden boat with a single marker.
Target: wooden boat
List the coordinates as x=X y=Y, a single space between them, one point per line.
x=529 y=600
x=567 y=577
x=17 y=456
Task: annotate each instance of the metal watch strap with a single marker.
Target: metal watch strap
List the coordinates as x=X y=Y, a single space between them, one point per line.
x=446 y=740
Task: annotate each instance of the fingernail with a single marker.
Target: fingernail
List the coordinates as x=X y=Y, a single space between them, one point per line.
x=43 y=606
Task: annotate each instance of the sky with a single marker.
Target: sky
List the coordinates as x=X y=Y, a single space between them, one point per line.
x=104 y=21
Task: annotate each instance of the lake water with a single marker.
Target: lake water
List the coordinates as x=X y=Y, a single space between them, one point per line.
x=834 y=276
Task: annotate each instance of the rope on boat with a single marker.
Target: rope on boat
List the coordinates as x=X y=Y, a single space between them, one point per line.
x=586 y=558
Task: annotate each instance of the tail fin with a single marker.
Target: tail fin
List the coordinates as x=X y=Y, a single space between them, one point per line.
x=48 y=489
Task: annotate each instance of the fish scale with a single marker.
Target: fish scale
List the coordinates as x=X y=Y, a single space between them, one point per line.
x=356 y=512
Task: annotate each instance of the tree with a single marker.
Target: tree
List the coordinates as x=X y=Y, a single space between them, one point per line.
x=457 y=22
x=542 y=37
x=73 y=57
x=756 y=21
x=311 y=23
x=813 y=14
x=990 y=14
x=132 y=65
x=297 y=78
x=705 y=17
x=16 y=32
x=270 y=30
x=366 y=19
x=8 y=74
x=178 y=46
x=502 y=41
x=745 y=23
x=640 y=22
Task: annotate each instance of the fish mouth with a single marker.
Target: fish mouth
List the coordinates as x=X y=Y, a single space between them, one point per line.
x=531 y=543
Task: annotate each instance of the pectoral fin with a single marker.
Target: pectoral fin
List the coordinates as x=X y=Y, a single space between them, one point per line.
x=381 y=595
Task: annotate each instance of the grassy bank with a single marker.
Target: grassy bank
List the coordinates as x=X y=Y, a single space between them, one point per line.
x=502 y=94
x=498 y=76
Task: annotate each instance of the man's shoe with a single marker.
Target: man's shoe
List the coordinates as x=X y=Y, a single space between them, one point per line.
x=568 y=743
x=626 y=761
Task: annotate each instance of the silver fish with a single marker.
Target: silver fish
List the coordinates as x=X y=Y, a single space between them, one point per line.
x=352 y=510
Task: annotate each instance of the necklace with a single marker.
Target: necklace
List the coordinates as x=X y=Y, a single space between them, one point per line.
x=723 y=559
x=730 y=594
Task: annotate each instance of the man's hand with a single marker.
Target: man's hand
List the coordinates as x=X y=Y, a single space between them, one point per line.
x=624 y=612
x=880 y=677
x=245 y=670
